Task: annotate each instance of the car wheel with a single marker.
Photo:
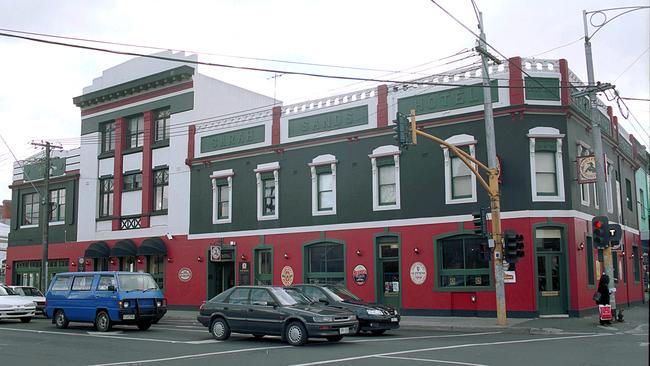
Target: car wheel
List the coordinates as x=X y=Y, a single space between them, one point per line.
x=144 y=325
x=258 y=336
x=296 y=334
x=102 y=322
x=334 y=338
x=378 y=331
x=26 y=319
x=220 y=329
x=60 y=319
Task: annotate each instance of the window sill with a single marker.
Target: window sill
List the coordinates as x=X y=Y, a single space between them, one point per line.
x=160 y=144
x=106 y=155
x=56 y=223
x=548 y=199
x=457 y=201
x=324 y=213
x=222 y=221
x=124 y=190
x=386 y=207
x=105 y=218
x=132 y=150
x=158 y=213
x=267 y=218
x=28 y=226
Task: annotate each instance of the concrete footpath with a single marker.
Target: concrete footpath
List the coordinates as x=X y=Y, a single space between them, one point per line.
x=635 y=322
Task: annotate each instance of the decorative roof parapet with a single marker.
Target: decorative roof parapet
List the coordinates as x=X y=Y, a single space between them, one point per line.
x=330 y=101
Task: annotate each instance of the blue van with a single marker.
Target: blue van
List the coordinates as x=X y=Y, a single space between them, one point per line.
x=105 y=299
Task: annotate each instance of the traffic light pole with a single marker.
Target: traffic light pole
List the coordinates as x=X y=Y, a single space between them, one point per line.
x=492 y=188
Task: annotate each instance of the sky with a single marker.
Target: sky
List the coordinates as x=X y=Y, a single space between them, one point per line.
x=40 y=80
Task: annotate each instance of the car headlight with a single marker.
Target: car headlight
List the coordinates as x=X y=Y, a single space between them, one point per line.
x=126 y=304
x=161 y=302
x=323 y=319
x=374 y=312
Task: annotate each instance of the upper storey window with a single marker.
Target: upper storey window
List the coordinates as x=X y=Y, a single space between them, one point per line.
x=323 y=185
x=161 y=125
x=385 y=178
x=267 y=191
x=107 y=131
x=546 y=166
x=460 y=183
x=135 y=132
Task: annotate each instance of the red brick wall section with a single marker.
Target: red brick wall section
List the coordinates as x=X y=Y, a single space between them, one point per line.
x=147 y=181
x=564 y=82
x=382 y=106
x=275 y=128
x=516 y=81
x=120 y=137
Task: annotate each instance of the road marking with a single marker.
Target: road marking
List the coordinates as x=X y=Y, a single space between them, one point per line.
x=96 y=335
x=450 y=347
x=206 y=341
x=428 y=360
x=184 y=330
x=185 y=357
x=383 y=339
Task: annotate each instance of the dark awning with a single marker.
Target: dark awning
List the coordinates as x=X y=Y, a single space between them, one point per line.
x=97 y=249
x=152 y=246
x=124 y=248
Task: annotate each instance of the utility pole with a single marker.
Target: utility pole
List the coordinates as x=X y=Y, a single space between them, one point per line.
x=46 y=207
x=601 y=164
x=493 y=178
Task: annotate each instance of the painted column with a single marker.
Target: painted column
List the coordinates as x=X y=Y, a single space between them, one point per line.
x=382 y=106
x=275 y=127
x=190 y=144
x=120 y=137
x=564 y=83
x=147 y=181
x=516 y=81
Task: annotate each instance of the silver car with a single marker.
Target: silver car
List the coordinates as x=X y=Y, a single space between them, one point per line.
x=14 y=306
x=32 y=293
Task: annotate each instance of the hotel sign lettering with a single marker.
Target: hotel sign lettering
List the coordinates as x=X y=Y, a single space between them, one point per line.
x=245 y=136
x=331 y=121
x=461 y=97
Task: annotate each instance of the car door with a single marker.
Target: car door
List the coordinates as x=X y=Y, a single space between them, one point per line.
x=263 y=316
x=82 y=299
x=235 y=308
x=106 y=296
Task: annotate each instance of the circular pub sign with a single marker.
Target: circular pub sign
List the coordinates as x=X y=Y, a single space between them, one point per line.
x=360 y=274
x=184 y=274
x=287 y=275
x=418 y=273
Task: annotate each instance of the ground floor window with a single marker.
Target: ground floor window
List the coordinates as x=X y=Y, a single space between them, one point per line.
x=156 y=267
x=126 y=264
x=324 y=263
x=461 y=263
x=100 y=264
x=263 y=267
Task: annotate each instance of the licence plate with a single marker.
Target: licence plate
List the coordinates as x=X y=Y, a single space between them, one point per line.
x=344 y=330
x=393 y=319
x=128 y=317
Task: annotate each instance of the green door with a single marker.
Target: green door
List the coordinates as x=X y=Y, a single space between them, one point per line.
x=389 y=286
x=221 y=277
x=263 y=267
x=551 y=274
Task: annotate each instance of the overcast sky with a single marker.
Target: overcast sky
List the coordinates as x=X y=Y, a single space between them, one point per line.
x=39 y=80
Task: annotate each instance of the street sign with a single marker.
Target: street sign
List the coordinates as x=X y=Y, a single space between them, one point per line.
x=614 y=232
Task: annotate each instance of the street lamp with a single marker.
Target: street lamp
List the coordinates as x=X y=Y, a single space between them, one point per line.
x=598 y=19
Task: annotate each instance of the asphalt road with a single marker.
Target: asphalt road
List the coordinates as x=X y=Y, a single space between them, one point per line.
x=177 y=343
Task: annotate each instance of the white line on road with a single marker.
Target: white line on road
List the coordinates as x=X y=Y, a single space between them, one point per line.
x=184 y=330
x=206 y=341
x=385 y=339
x=428 y=360
x=449 y=347
x=97 y=335
x=185 y=357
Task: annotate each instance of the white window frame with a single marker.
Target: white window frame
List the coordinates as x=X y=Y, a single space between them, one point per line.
x=220 y=174
x=608 y=186
x=382 y=151
x=459 y=141
x=583 y=188
x=321 y=160
x=547 y=133
x=264 y=168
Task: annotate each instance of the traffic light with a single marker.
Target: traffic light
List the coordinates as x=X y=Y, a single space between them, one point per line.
x=403 y=129
x=510 y=246
x=480 y=226
x=614 y=232
x=600 y=229
x=519 y=239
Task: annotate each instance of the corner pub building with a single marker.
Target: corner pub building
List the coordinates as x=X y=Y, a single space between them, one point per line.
x=207 y=185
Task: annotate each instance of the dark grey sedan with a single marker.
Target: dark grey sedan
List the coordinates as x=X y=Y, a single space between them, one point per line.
x=268 y=310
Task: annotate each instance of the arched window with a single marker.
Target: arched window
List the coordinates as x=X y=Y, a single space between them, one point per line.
x=325 y=263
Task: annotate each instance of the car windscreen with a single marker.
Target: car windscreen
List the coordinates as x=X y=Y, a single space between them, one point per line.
x=19 y=291
x=285 y=298
x=298 y=296
x=5 y=291
x=137 y=282
x=342 y=294
x=30 y=291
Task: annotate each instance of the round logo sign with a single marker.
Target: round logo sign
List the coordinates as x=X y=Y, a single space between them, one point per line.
x=360 y=274
x=184 y=274
x=287 y=275
x=418 y=273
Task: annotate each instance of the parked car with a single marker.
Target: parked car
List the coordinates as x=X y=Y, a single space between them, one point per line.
x=374 y=318
x=269 y=310
x=34 y=294
x=105 y=299
x=13 y=306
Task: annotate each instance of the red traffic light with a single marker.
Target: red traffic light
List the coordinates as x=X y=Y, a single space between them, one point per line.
x=598 y=224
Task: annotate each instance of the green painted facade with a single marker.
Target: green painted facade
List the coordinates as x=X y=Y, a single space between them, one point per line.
x=330 y=121
x=461 y=97
x=36 y=171
x=542 y=88
x=227 y=140
x=60 y=233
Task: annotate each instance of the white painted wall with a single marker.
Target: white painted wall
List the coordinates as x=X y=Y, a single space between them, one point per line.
x=132 y=162
x=106 y=167
x=160 y=156
x=131 y=203
x=88 y=190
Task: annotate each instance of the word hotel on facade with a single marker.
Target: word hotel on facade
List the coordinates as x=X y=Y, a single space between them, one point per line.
x=207 y=185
